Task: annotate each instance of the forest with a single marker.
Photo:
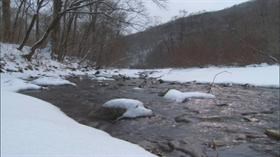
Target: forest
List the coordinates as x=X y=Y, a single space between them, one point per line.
x=243 y=34
x=102 y=32
x=89 y=29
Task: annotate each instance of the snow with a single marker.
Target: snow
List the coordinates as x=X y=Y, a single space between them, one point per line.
x=178 y=96
x=137 y=88
x=13 y=63
x=32 y=127
x=262 y=75
x=11 y=60
x=101 y=78
x=258 y=75
x=134 y=108
x=51 y=81
x=15 y=84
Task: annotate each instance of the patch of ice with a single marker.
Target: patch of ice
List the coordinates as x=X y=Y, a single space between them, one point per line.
x=134 y=108
x=179 y=96
x=52 y=81
x=32 y=127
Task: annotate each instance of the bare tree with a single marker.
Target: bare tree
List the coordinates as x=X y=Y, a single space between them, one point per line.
x=27 y=6
x=17 y=16
x=106 y=9
x=56 y=19
x=34 y=18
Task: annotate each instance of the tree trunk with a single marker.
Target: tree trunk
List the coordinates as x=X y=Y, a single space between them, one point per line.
x=63 y=33
x=16 y=18
x=55 y=35
x=6 y=13
x=28 y=32
x=90 y=29
x=37 y=29
x=37 y=33
x=65 y=41
x=22 y=16
x=34 y=18
x=43 y=38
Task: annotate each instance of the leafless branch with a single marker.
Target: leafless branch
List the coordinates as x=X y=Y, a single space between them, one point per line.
x=213 y=81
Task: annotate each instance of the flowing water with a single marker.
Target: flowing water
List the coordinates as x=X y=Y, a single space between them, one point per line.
x=231 y=125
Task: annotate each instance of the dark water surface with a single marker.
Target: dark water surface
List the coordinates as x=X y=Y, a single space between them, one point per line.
x=232 y=125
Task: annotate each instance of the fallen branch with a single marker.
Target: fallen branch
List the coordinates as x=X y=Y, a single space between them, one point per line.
x=212 y=84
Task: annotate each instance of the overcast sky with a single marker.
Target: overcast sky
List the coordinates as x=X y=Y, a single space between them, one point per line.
x=174 y=6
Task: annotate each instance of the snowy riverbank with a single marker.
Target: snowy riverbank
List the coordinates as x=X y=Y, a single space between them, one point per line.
x=32 y=127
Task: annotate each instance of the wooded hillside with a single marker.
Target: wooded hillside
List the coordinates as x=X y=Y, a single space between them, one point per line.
x=243 y=34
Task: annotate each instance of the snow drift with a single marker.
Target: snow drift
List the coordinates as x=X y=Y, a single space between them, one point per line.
x=32 y=127
x=51 y=81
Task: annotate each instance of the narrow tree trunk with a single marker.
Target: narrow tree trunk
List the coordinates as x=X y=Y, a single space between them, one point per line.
x=16 y=18
x=90 y=28
x=6 y=13
x=34 y=18
x=1 y=26
x=74 y=35
x=37 y=29
x=55 y=34
x=65 y=41
x=28 y=32
x=43 y=38
x=84 y=39
x=37 y=32
x=99 y=57
x=22 y=16
x=63 y=34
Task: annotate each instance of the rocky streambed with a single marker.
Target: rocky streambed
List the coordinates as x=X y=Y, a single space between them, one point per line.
x=238 y=122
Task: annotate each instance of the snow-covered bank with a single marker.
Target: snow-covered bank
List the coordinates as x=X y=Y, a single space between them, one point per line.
x=263 y=75
x=52 y=81
x=32 y=127
x=258 y=75
x=13 y=63
x=14 y=66
x=13 y=84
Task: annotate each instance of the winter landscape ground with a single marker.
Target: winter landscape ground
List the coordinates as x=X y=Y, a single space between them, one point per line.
x=178 y=115
x=107 y=78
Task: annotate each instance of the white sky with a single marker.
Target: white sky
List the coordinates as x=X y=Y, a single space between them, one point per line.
x=174 y=6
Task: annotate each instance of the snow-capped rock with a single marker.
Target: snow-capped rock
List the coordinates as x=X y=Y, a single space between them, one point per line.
x=178 y=96
x=134 y=108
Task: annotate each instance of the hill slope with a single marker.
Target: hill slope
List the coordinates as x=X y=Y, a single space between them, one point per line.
x=243 y=34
